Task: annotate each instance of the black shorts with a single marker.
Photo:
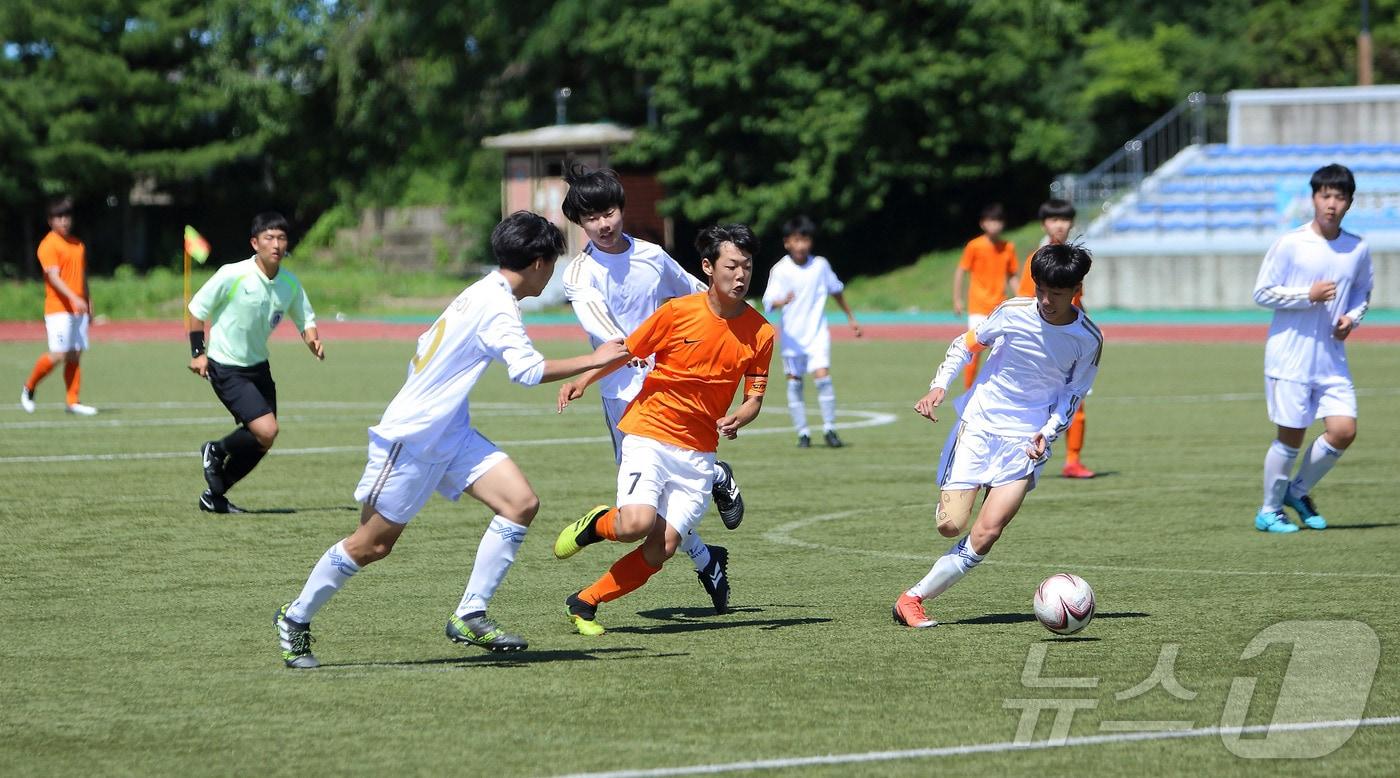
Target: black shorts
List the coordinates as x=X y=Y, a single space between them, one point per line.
x=247 y=392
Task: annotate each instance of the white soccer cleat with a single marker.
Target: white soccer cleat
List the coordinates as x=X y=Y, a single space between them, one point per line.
x=26 y=400
x=78 y=409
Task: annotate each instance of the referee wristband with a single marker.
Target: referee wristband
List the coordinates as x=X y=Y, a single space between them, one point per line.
x=196 y=343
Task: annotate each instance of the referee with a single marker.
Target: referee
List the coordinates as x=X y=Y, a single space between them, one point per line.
x=243 y=303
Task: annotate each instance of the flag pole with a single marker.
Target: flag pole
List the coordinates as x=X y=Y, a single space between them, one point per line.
x=187 y=288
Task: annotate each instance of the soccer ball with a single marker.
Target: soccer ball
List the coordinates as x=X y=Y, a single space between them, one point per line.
x=1064 y=603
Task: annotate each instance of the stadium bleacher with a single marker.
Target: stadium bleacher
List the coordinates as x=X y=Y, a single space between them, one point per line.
x=1216 y=191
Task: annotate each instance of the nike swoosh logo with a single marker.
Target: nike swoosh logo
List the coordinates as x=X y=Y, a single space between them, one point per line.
x=688 y=341
x=207 y=460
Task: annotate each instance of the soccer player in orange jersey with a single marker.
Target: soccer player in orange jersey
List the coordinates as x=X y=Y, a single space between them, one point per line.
x=705 y=344
x=1057 y=219
x=66 y=308
x=989 y=266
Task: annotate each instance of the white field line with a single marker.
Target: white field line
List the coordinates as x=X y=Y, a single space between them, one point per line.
x=781 y=535
x=989 y=748
x=867 y=419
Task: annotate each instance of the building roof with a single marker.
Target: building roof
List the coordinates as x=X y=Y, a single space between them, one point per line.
x=562 y=136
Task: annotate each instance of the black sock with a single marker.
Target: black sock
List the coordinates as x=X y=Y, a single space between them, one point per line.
x=244 y=454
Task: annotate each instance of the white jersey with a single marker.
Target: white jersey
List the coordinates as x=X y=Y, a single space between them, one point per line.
x=1035 y=375
x=1300 y=346
x=430 y=414
x=804 y=319
x=612 y=294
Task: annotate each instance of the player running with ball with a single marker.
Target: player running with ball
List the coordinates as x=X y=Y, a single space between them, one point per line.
x=1043 y=356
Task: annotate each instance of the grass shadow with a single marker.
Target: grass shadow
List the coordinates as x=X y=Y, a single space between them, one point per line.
x=1373 y=525
x=1071 y=639
x=1021 y=618
x=680 y=620
x=283 y=511
x=518 y=658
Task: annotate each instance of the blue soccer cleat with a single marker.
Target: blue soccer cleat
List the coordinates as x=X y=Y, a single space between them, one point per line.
x=1273 y=521
x=1306 y=510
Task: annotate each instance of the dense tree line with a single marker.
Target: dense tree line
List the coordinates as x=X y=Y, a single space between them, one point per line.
x=891 y=121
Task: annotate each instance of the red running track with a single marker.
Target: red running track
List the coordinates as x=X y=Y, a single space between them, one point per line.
x=331 y=331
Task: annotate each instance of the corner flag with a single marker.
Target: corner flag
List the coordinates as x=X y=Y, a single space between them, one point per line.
x=195 y=245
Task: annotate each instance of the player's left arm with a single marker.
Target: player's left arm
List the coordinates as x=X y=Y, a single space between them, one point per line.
x=1081 y=380
x=755 y=384
x=840 y=298
x=1359 y=299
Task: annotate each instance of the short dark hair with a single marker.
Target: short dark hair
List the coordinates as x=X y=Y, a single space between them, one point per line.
x=1056 y=209
x=993 y=211
x=708 y=242
x=800 y=225
x=591 y=191
x=1334 y=176
x=268 y=220
x=60 y=206
x=523 y=237
x=1060 y=265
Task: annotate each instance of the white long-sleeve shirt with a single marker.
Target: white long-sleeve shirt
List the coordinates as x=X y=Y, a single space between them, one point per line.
x=430 y=415
x=804 y=319
x=1036 y=373
x=612 y=294
x=1300 y=345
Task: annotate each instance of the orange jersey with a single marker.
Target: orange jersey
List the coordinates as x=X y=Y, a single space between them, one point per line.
x=700 y=359
x=70 y=257
x=1027 y=285
x=990 y=268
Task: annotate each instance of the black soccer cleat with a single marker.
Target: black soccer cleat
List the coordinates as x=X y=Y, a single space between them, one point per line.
x=728 y=501
x=804 y=441
x=217 y=503
x=715 y=578
x=484 y=633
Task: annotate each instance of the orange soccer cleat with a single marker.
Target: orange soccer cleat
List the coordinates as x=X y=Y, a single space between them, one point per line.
x=1077 y=470
x=909 y=611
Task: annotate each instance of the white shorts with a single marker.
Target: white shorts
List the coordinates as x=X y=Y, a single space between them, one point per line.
x=613 y=410
x=800 y=361
x=973 y=459
x=974 y=319
x=398 y=486
x=674 y=480
x=67 y=332
x=1296 y=405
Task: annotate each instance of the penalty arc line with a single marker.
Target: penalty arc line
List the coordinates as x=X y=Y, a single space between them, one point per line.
x=867 y=419
x=781 y=535
x=991 y=748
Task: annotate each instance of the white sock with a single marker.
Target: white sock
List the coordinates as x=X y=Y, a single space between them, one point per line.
x=330 y=573
x=797 y=407
x=494 y=556
x=826 y=399
x=1320 y=458
x=720 y=478
x=696 y=549
x=1278 y=469
x=950 y=568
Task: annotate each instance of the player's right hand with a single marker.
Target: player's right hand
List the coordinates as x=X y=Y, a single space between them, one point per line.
x=610 y=352
x=200 y=366
x=80 y=306
x=570 y=391
x=1322 y=291
x=957 y=308
x=926 y=404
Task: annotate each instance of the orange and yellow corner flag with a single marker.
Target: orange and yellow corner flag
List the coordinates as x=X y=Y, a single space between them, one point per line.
x=195 y=245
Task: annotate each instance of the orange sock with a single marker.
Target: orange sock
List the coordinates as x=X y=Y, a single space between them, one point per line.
x=72 y=378
x=1074 y=440
x=606 y=525
x=626 y=575
x=42 y=367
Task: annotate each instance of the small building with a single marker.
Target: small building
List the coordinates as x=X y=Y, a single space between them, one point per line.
x=535 y=161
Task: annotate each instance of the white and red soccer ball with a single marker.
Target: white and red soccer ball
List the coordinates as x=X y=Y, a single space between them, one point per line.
x=1064 y=603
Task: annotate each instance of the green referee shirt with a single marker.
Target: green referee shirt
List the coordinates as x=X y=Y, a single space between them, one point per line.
x=244 y=306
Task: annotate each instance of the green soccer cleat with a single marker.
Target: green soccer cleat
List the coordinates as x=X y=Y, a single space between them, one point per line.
x=295 y=640
x=582 y=615
x=484 y=633
x=570 y=539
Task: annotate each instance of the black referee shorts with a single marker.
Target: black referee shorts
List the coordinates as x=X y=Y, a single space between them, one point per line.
x=247 y=392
